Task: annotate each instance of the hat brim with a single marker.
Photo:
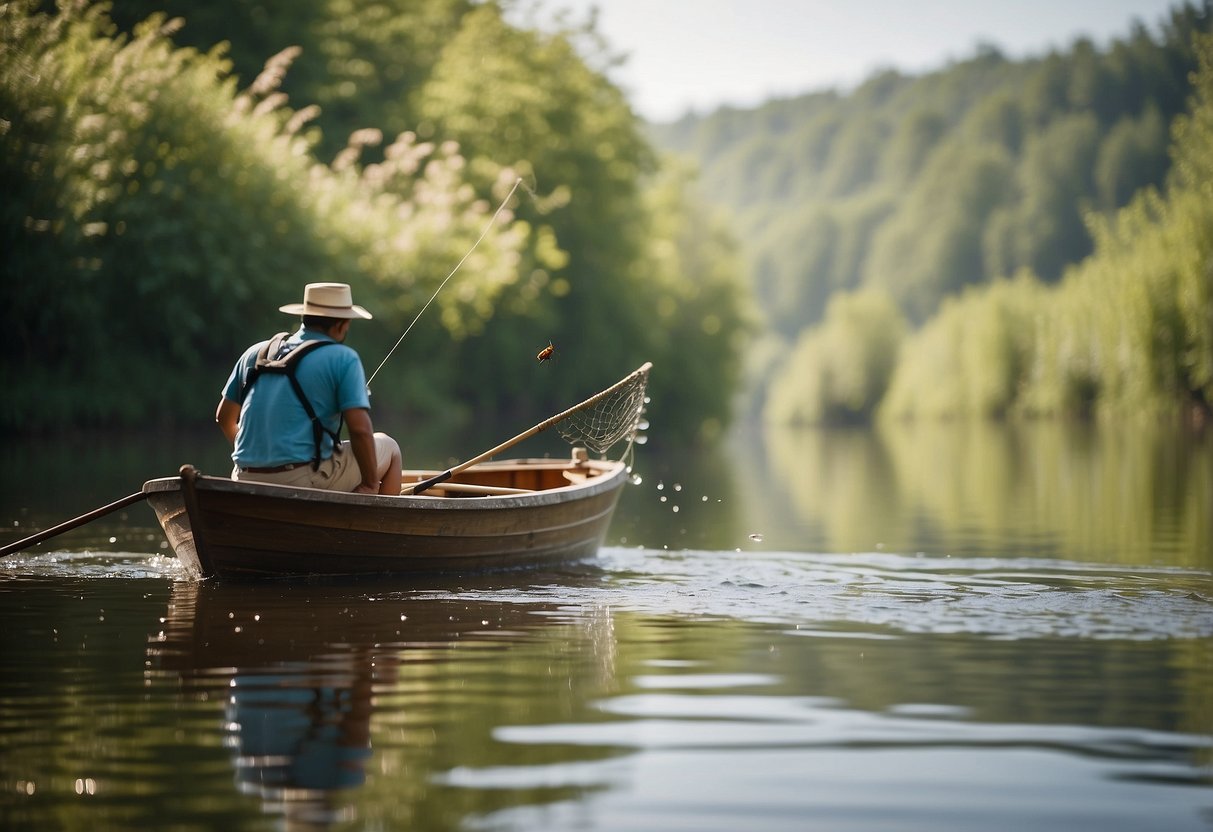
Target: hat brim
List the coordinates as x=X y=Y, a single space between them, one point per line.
x=354 y=311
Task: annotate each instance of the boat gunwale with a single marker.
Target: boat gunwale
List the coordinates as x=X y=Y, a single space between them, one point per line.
x=611 y=474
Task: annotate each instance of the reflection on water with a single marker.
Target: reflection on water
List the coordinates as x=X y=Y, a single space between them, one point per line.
x=297 y=716
x=1138 y=494
x=651 y=690
x=935 y=627
x=1101 y=494
x=321 y=682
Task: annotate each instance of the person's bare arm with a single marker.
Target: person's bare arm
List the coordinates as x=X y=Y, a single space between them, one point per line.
x=227 y=414
x=362 y=440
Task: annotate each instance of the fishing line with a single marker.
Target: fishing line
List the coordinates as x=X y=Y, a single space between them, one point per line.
x=483 y=234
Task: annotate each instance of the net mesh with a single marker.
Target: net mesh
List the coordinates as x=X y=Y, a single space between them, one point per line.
x=611 y=416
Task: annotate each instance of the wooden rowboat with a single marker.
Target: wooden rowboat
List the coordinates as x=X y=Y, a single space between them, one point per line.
x=494 y=515
x=477 y=515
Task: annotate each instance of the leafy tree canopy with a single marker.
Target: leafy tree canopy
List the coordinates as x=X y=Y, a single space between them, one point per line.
x=177 y=170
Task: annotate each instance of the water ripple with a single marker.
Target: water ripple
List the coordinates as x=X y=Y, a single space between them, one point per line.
x=882 y=593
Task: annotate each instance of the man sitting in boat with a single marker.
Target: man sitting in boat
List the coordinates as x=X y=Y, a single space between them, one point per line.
x=286 y=399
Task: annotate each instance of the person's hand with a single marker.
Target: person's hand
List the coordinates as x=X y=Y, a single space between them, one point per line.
x=363 y=488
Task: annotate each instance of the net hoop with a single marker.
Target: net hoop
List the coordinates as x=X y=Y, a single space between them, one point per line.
x=608 y=417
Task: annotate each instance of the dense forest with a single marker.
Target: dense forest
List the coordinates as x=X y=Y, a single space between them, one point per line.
x=174 y=171
x=995 y=237
x=998 y=237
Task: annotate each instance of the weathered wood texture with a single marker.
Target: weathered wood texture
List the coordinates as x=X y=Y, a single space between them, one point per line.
x=218 y=527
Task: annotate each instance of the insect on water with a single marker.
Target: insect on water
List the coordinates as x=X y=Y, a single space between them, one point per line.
x=545 y=354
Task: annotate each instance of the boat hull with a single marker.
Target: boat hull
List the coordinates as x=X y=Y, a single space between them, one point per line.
x=222 y=528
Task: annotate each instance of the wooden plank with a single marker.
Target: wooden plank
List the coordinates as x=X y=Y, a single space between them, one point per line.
x=478 y=490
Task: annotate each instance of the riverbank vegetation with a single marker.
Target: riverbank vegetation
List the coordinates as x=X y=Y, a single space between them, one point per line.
x=1127 y=331
x=1036 y=224
x=998 y=238
x=166 y=192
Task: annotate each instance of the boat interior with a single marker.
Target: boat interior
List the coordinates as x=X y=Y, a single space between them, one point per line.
x=490 y=479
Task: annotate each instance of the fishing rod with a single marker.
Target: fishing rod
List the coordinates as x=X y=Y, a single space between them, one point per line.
x=76 y=522
x=485 y=233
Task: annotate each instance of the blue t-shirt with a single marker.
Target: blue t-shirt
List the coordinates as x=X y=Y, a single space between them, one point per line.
x=274 y=428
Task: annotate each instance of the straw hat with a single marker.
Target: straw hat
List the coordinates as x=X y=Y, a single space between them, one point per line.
x=329 y=300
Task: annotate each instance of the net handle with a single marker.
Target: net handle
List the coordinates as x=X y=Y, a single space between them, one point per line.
x=527 y=434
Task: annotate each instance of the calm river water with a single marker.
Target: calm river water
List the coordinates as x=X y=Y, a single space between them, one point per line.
x=934 y=628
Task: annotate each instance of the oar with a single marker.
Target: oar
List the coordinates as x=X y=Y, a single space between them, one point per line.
x=45 y=534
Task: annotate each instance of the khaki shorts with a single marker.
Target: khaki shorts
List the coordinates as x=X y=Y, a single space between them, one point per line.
x=340 y=472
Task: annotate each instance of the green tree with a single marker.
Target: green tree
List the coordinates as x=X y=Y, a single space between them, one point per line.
x=931 y=246
x=187 y=204
x=1133 y=156
x=528 y=99
x=1128 y=331
x=701 y=314
x=838 y=372
x=913 y=140
x=1045 y=230
x=924 y=185
x=158 y=214
x=362 y=62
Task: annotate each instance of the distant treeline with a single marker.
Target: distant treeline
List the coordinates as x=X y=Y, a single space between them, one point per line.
x=997 y=237
x=166 y=189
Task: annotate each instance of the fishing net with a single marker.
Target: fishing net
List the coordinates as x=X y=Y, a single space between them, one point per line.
x=608 y=417
x=597 y=423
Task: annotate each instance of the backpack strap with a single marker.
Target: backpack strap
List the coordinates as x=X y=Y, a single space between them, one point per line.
x=270 y=359
x=271 y=347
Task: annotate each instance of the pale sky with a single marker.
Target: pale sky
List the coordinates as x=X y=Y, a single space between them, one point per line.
x=703 y=53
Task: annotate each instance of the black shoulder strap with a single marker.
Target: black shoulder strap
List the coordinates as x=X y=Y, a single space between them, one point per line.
x=271 y=360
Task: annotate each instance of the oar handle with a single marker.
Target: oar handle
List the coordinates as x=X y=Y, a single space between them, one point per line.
x=432 y=481
x=46 y=534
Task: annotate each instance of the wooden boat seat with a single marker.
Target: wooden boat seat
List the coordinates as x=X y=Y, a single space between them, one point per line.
x=470 y=490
